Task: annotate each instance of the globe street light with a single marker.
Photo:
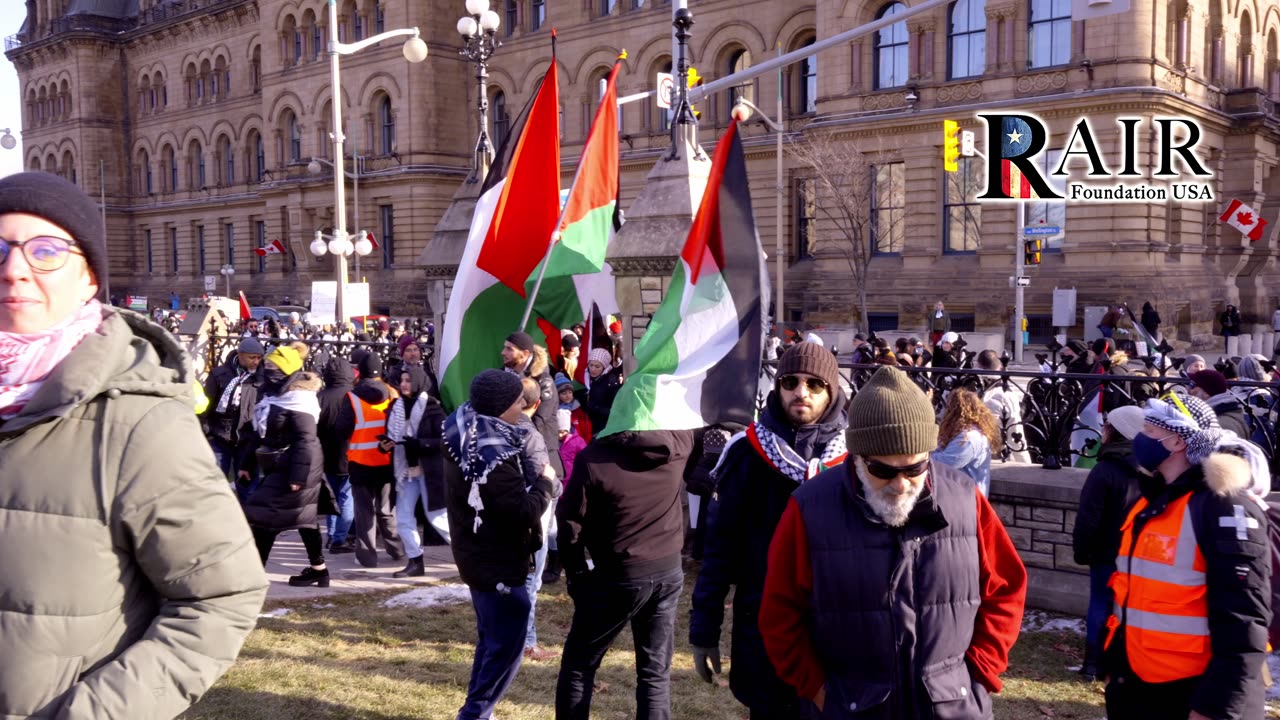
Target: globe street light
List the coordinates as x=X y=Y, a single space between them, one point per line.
x=415 y=51
x=8 y=141
x=479 y=31
x=227 y=271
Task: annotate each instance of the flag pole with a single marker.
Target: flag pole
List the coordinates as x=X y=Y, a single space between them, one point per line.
x=555 y=236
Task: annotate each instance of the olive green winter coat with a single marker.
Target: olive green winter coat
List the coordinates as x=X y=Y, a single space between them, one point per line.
x=128 y=576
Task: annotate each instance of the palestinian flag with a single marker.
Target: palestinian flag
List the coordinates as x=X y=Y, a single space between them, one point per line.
x=700 y=357
x=578 y=284
x=511 y=229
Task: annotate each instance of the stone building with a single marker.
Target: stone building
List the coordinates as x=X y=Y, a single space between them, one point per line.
x=158 y=94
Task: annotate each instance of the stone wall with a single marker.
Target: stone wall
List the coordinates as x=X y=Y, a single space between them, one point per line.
x=1038 y=508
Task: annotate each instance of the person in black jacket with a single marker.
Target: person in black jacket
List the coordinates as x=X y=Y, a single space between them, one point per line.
x=1109 y=492
x=1188 y=637
x=493 y=525
x=272 y=375
x=292 y=466
x=1151 y=320
x=800 y=433
x=415 y=433
x=225 y=390
x=606 y=380
x=339 y=378
x=522 y=357
x=623 y=506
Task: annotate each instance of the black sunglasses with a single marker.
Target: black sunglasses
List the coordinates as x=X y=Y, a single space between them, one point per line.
x=791 y=382
x=889 y=472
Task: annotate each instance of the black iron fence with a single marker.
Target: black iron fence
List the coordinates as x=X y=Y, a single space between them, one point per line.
x=213 y=350
x=1055 y=418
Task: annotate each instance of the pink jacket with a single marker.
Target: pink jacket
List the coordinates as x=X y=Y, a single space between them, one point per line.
x=569 y=449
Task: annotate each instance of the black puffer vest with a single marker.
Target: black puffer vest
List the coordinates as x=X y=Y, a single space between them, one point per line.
x=894 y=608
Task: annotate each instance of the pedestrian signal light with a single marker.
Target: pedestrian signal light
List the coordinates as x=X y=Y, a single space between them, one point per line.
x=950 y=145
x=1031 y=251
x=694 y=80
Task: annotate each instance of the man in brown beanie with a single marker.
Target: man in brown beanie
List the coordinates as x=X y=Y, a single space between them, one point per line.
x=892 y=583
x=799 y=434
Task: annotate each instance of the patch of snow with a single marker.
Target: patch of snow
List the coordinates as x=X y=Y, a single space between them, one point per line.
x=431 y=596
x=324 y=606
x=1039 y=621
x=278 y=612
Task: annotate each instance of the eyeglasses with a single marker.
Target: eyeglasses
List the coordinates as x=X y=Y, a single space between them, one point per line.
x=889 y=472
x=791 y=382
x=44 y=254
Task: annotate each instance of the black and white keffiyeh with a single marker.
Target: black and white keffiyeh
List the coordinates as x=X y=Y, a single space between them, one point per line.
x=478 y=444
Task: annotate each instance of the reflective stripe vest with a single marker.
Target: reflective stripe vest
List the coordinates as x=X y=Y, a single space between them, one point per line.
x=1161 y=596
x=371 y=421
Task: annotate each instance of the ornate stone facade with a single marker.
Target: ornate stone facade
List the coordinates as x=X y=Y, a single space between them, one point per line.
x=1216 y=63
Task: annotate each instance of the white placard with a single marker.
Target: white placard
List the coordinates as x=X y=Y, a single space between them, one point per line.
x=324 y=295
x=1064 y=307
x=666 y=90
x=210 y=282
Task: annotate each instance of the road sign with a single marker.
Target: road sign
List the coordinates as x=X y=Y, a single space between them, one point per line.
x=1024 y=282
x=666 y=90
x=210 y=282
x=1042 y=230
x=966 y=143
x=1090 y=9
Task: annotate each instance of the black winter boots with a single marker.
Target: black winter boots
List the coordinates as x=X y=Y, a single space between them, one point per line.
x=413 y=569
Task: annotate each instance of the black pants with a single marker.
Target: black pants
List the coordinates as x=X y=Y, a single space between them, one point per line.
x=371 y=490
x=1129 y=697
x=265 y=539
x=601 y=609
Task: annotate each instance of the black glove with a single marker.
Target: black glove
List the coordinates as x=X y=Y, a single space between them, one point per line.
x=701 y=656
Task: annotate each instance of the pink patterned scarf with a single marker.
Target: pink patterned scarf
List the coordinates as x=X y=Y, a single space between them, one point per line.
x=26 y=360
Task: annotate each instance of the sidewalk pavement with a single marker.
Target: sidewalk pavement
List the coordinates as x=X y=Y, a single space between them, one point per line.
x=288 y=557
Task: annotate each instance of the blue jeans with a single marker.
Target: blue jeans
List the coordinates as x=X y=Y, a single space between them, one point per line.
x=601 y=609
x=533 y=583
x=1101 y=602
x=226 y=458
x=500 y=627
x=340 y=525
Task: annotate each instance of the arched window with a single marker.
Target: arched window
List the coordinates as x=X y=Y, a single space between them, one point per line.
x=1244 y=51
x=219 y=79
x=34 y=164
x=294 y=135
x=255 y=70
x=257 y=156
x=501 y=120
x=512 y=17
x=891 y=50
x=144 y=162
x=317 y=40
x=195 y=159
x=68 y=166
x=739 y=60
x=1213 y=43
x=379 y=18
x=1049 y=33
x=40 y=106
x=51 y=164
x=1273 y=65
x=808 y=82
x=228 y=162
x=966 y=39
x=387 y=120
x=146 y=96
x=171 y=163
x=191 y=76
x=202 y=82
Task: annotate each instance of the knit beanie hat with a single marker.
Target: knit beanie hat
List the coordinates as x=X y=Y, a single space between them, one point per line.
x=370 y=366
x=565 y=419
x=890 y=415
x=285 y=358
x=602 y=356
x=562 y=382
x=949 y=337
x=406 y=341
x=64 y=204
x=570 y=341
x=811 y=359
x=493 y=391
x=521 y=340
x=251 y=346
x=1211 y=381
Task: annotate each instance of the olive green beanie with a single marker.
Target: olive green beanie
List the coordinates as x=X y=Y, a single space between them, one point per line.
x=890 y=415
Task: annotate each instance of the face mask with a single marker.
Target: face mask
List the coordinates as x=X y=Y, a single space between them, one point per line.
x=1150 y=452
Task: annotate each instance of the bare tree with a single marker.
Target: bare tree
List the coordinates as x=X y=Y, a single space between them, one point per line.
x=860 y=197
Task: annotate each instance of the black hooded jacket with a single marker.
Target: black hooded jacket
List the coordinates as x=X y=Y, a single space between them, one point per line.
x=745 y=510
x=1108 y=494
x=338 y=380
x=622 y=504
x=224 y=427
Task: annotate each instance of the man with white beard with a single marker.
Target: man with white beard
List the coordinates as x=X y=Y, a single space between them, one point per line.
x=892 y=583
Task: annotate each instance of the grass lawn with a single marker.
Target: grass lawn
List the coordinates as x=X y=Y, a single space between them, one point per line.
x=348 y=657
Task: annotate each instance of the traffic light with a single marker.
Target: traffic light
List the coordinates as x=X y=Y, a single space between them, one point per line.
x=1031 y=251
x=694 y=80
x=950 y=145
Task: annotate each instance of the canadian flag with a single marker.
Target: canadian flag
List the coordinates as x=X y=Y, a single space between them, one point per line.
x=275 y=248
x=372 y=241
x=1243 y=218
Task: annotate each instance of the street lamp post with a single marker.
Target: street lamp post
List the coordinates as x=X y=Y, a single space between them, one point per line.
x=415 y=51
x=742 y=112
x=227 y=271
x=479 y=31
x=362 y=245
